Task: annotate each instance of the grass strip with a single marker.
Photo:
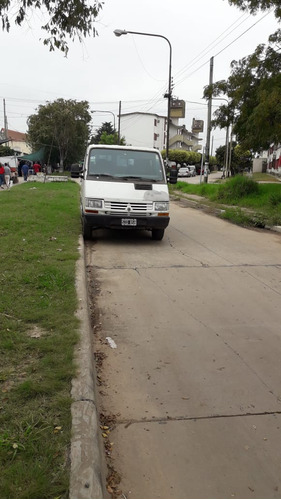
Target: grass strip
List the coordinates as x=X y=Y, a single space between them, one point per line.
x=258 y=204
x=38 y=331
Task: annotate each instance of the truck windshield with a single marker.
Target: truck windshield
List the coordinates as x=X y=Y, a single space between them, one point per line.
x=125 y=164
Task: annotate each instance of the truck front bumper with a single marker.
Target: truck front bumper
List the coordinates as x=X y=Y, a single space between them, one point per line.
x=117 y=221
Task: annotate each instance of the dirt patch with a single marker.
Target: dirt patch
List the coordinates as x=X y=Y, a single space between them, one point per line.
x=107 y=421
x=36 y=332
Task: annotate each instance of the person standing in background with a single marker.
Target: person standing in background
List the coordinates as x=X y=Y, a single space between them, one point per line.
x=24 y=170
x=2 y=176
x=36 y=167
x=7 y=175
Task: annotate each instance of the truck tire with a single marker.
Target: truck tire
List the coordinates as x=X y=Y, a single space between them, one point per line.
x=86 y=230
x=157 y=234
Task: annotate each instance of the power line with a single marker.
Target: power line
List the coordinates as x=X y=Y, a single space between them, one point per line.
x=233 y=41
x=212 y=45
x=243 y=33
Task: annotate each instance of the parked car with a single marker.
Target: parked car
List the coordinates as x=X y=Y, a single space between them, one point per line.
x=198 y=169
x=171 y=172
x=192 y=170
x=184 y=172
x=75 y=169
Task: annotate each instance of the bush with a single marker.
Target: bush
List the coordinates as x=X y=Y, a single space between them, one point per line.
x=236 y=188
x=274 y=199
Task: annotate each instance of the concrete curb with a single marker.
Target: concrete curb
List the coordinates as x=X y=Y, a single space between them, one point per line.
x=85 y=475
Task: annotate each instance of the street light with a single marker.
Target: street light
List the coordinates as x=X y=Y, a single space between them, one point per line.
x=102 y=111
x=167 y=95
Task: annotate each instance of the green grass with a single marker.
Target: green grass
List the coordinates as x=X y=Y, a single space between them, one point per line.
x=40 y=225
x=263 y=177
x=261 y=203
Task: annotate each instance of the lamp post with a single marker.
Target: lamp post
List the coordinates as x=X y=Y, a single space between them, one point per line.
x=103 y=111
x=167 y=95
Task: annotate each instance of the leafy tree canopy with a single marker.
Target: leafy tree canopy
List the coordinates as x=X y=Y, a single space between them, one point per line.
x=253 y=89
x=254 y=98
x=106 y=134
x=71 y=18
x=182 y=156
x=6 y=151
x=105 y=127
x=255 y=5
x=241 y=159
x=62 y=127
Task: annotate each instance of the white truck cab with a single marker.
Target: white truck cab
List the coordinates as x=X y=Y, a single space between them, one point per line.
x=124 y=187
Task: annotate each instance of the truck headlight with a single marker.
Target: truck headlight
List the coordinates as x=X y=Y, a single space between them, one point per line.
x=162 y=206
x=93 y=203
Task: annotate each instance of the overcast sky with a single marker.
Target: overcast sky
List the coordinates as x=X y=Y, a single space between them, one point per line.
x=132 y=69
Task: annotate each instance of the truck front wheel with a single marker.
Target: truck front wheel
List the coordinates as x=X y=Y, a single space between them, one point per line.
x=86 y=230
x=157 y=234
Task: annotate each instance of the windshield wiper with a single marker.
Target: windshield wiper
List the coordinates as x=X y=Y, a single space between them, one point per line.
x=125 y=177
x=102 y=175
x=138 y=178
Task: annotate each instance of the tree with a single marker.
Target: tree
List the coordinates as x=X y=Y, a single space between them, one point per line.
x=182 y=156
x=62 y=127
x=6 y=151
x=71 y=19
x=253 y=89
x=254 y=99
x=241 y=159
x=255 y=5
x=106 y=134
x=105 y=127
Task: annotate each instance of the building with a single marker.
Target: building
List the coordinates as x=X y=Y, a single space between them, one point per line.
x=150 y=130
x=16 y=141
x=144 y=129
x=181 y=138
x=274 y=159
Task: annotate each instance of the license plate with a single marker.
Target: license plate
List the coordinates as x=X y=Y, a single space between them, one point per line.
x=128 y=222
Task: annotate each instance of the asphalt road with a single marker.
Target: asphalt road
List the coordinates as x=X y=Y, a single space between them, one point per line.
x=212 y=177
x=194 y=383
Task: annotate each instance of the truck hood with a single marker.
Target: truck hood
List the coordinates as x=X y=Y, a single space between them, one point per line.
x=125 y=191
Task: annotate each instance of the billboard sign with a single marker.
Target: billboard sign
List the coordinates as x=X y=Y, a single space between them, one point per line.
x=177 y=109
x=197 y=126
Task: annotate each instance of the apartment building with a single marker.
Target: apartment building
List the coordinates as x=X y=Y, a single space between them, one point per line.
x=144 y=129
x=150 y=130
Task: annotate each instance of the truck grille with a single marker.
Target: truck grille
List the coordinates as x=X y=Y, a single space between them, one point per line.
x=117 y=207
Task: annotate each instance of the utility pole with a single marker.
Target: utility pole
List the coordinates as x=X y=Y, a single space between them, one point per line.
x=209 y=126
x=229 y=155
x=212 y=147
x=5 y=120
x=226 y=153
x=119 y=118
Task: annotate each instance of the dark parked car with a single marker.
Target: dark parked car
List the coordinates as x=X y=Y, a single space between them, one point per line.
x=75 y=169
x=172 y=172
